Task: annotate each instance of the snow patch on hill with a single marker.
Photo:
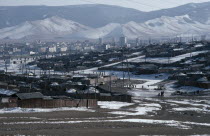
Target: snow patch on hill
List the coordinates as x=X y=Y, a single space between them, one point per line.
x=160 y=27
x=58 y=27
x=50 y=26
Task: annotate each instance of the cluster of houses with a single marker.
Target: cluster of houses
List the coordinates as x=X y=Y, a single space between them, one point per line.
x=34 y=48
x=80 y=61
x=38 y=100
x=191 y=70
x=196 y=79
x=74 y=89
x=79 y=90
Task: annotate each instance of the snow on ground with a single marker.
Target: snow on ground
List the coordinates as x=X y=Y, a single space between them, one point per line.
x=200 y=106
x=171 y=123
x=199 y=45
x=189 y=89
x=192 y=105
x=178 y=49
x=165 y=60
x=31 y=110
x=191 y=109
x=16 y=67
x=149 y=84
x=172 y=88
x=141 y=109
x=189 y=102
x=113 y=104
x=150 y=79
x=11 y=67
x=91 y=70
x=137 y=111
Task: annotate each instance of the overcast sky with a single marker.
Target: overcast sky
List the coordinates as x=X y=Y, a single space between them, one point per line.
x=143 y=5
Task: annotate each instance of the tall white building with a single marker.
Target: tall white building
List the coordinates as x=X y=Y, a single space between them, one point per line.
x=63 y=48
x=113 y=41
x=123 y=41
x=52 y=49
x=137 y=41
x=42 y=49
x=100 y=41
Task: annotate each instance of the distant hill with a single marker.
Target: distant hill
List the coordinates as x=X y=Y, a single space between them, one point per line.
x=98 y=15
x=94 y=21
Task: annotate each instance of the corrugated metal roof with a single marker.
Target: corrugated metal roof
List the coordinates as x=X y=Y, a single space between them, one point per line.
x=35 y=95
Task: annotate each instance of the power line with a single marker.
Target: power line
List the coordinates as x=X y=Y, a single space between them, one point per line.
x=171 y=2
x=140 y=3
x=90 y=2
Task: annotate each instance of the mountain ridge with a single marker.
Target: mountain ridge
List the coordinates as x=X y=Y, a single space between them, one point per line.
x=94 y=15
x=60 y=27
x=182 y=20
x=49 y=26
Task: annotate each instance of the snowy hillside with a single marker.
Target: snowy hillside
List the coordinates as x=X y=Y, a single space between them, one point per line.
x=54 y=26
x=156 y=28
x=164 y=26
x=95 y=15
x=112 y=29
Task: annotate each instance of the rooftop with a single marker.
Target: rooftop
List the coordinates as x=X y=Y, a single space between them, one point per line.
x=35 y=95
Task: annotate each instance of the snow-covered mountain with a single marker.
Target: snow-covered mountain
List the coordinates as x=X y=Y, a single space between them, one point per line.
x=95 y=16
x=50 y=27
x=112 y=30
x=164 y=26
x=160 y=27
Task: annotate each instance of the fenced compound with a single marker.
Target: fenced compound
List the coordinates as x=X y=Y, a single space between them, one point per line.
x=54 y=103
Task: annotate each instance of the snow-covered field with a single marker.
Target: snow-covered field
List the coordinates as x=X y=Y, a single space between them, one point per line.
x=171 y=123
x=32 y=110
x=165 y=60
x=121 y=112
x=140 y=109
x=113 y=104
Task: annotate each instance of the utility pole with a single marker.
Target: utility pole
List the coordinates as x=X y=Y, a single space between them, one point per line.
x=95 y=85
x=110 y=83
x=169 y=60
x=129 y=79
x=123 y=67
x=6 y=65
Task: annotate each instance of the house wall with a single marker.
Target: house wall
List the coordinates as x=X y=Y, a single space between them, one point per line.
x=56 y=103
x=8 y=102
x=8 y=105
x=120 y=98
x=124 y=98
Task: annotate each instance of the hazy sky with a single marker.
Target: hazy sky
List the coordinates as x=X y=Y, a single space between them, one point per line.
x=143 y=5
